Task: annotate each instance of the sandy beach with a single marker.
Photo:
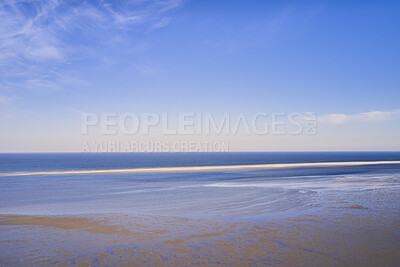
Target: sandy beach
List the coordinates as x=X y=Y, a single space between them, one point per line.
x=208 y=168
x=158 y=240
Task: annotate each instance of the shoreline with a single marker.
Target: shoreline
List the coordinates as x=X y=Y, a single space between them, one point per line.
x=206 y=168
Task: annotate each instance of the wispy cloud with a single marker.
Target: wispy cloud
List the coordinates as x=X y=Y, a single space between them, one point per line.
x=75 y=110
x=37 y=38
x=4 y=100
x=25 y=34
x=7 y=107
x=371 y=116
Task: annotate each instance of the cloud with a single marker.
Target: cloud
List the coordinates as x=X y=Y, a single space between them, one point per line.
x=4 y=100
x=38 y=38
x=162 y=23
x=8 y=109
x=27 y=36
x=46 y=53
x=371 y=116
x=75 y=110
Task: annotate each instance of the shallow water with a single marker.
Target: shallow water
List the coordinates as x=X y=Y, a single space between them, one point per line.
x=226 y=195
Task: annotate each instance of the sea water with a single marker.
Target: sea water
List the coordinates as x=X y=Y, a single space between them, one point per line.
x=230 y=194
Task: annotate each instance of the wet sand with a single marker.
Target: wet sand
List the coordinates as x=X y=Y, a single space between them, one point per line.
x=353 y=238
x=208 y=168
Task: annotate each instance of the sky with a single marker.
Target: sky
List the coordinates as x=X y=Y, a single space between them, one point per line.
x=339 y=60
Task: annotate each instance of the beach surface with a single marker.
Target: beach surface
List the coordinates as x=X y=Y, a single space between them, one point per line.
x=208 y=168
x=354 y=238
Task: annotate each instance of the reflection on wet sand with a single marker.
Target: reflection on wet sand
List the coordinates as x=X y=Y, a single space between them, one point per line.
x=114 y=239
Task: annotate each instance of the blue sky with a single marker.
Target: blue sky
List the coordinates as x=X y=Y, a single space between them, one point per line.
x=59 y=58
